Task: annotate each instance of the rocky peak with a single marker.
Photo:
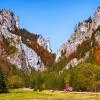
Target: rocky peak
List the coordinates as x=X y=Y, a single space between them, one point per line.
x=44 y=43
x=96 y=19
x=83 y=32
x=8 y=19
x=98 y=11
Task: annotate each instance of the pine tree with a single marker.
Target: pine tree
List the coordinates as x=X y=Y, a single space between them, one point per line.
x=3 y=88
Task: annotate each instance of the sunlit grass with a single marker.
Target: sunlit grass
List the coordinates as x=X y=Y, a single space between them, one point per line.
x=19 y=94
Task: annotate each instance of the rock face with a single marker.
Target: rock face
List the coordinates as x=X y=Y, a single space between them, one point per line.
x=83 y=31
x=44 y=43
x=22 y=55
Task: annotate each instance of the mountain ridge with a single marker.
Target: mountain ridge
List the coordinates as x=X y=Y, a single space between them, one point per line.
x=31 y=51
x=83 y=33
x=22 y=48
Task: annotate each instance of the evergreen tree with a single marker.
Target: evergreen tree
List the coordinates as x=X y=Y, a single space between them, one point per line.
x=3 y=88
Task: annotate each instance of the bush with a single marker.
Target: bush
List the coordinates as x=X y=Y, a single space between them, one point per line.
x=12 y=50
x=36 y=81
x=15 y=81
x=54 y=81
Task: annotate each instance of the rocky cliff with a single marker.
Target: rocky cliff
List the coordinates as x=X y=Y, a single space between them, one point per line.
x=85 y=39
x=16 y=44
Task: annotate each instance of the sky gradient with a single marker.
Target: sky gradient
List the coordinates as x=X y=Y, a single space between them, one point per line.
x=53 y=19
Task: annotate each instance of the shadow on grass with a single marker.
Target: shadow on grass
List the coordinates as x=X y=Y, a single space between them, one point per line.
x=4 y=92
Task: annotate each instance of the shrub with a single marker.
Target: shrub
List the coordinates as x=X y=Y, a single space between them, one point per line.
x=15 y=81
x=12 y=50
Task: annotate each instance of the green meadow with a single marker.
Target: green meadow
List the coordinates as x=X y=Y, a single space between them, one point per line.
x=20 y=94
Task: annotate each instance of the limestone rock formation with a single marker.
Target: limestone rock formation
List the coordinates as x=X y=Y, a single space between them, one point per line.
x=12 y=48
x=83 y=31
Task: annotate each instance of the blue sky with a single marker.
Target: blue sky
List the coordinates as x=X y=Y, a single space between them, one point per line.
x=53 y=19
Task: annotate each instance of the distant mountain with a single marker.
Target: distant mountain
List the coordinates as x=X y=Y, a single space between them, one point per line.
x=20 y=47
x=84 y=44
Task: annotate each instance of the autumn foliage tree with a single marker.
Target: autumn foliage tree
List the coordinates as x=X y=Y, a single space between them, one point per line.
x=46 y=56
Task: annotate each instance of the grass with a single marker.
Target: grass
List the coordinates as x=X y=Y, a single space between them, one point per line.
x=19 y=94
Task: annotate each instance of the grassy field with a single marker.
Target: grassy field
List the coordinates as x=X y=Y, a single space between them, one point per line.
x=19 y=94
